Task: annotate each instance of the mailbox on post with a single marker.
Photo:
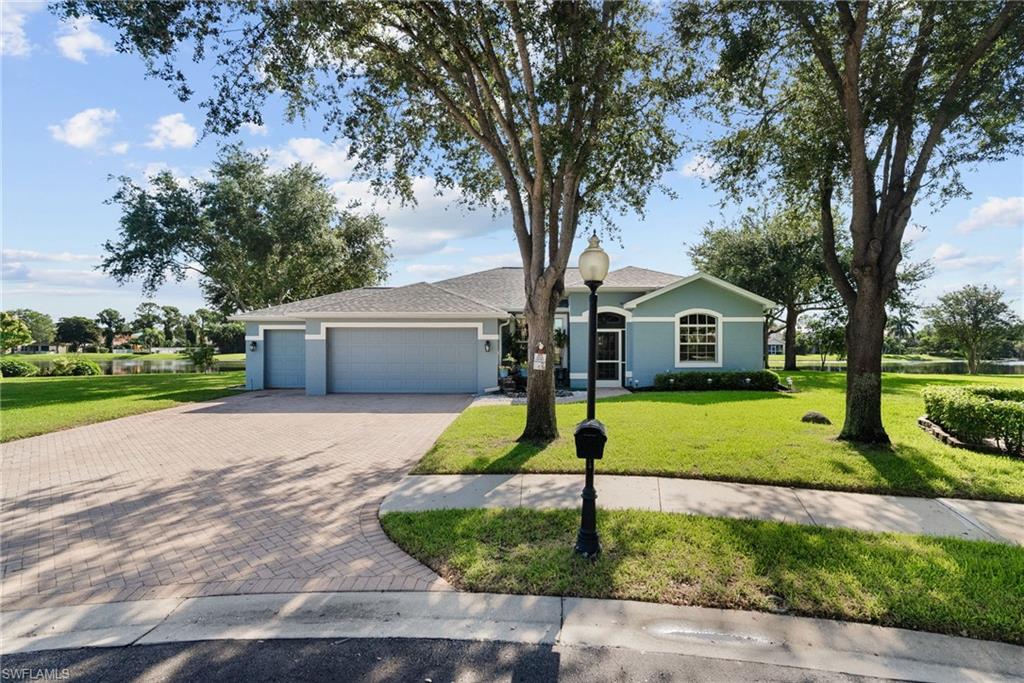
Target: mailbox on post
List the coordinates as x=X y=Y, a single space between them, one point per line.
x=591 y=436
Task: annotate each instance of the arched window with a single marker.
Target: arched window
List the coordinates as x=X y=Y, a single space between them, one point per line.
x=699 y=340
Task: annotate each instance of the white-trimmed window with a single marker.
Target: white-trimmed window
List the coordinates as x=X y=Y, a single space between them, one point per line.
x=698 y=339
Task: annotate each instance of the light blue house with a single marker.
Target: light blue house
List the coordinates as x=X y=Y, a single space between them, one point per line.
x=451 y=336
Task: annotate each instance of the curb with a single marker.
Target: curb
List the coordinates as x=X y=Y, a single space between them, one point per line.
x=814 y=644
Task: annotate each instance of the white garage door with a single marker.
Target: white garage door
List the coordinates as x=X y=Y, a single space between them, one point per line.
x=401 y=360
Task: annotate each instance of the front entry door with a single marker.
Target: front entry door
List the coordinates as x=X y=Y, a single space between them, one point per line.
x=609 y=358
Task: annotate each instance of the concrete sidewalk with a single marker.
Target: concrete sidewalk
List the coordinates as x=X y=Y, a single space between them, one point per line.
x=811 y=644
x=967 y=519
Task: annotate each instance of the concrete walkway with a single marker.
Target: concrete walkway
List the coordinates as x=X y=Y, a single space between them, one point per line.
x=967 y=519
x=811 y=644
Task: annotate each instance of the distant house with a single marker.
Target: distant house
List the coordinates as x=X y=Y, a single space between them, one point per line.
x=776 y=344
x=447 y=336
x=42 y=348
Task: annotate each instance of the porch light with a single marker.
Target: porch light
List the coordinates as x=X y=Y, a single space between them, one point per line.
x=594 y=262
x=487 y=346
x=252 y=345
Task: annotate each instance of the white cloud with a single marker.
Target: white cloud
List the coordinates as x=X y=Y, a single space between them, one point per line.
x=999 y=212
x=31 y=255
x=953 y=258
x=77 y=38
x=19 y=272
x=172 y=131
x=700 y=167
x=435 y=271
x=913 y=233
x=86 y=128
x=14 y=41
x=255 y=128
x=119 y=148
x=438 y=271
x=424 y=228
x=330 y=159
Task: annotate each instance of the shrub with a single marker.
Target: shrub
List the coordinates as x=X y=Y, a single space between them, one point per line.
x=10 y=367
x=759 y=380
x=72 y=366
x=202 y=357
x=973 y=414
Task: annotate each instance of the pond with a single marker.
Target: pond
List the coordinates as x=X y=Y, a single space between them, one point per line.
x=934 y=367
x=139 y=366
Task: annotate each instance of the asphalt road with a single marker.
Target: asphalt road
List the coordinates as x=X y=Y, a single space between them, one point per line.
x=383 y=659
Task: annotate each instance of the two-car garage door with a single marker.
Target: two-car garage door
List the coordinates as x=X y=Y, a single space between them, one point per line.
x=401 y=360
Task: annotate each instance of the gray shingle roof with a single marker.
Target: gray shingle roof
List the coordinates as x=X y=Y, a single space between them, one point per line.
x=319 y=303
x=497 y=290
x=630 y=276
x=420 y=297
x=501 y=287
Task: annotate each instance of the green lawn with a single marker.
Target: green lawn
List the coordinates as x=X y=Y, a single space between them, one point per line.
x=746 y=437
x=967 y=588
x=778 y=360
x=37 y=405
x=30 y=357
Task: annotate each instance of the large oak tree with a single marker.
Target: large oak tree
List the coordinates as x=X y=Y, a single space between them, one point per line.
x=557 y=111
x=874 y=104
x=255 y=236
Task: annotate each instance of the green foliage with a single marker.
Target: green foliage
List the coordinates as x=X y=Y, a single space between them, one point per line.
x=202 y=357
x=257 y=237
x=13 y=332
x=976 y=413
x=148 y=315
x=64 y=366
x=77 y=331
x=776 y=254
x=151 y=337
x=112 y=323
x=826 y=334
x=228 y=337
x=40 y=325
x=759 y=380
x=973 y=320
x=10 y=367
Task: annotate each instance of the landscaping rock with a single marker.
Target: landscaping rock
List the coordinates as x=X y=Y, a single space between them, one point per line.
x=816 y=418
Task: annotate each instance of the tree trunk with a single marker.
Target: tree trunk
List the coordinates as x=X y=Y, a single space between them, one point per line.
x=791 y=316
x=972 y=361
x=766 y=331
x=541 y=424
x=865 y=332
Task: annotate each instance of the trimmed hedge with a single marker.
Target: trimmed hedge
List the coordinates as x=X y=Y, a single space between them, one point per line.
x=974 y=414
x=10 y=367
x=757 y=380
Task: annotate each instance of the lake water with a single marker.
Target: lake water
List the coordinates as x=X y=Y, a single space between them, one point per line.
x=139 y=366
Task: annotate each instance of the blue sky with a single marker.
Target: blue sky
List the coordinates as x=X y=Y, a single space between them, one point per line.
x=75 y=112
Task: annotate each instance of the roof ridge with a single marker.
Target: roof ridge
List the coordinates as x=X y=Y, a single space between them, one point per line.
x=463 y=296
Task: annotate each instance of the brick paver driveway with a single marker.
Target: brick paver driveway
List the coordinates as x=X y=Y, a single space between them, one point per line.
x=262 y=492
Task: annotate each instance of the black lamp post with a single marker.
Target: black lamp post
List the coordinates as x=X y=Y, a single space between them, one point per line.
x=591 y=434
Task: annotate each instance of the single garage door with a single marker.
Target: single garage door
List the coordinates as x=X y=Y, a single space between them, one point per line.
x=401 y=360
x=284 y=353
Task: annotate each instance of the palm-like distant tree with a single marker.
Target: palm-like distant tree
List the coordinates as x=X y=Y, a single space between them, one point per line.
x=901 y=325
